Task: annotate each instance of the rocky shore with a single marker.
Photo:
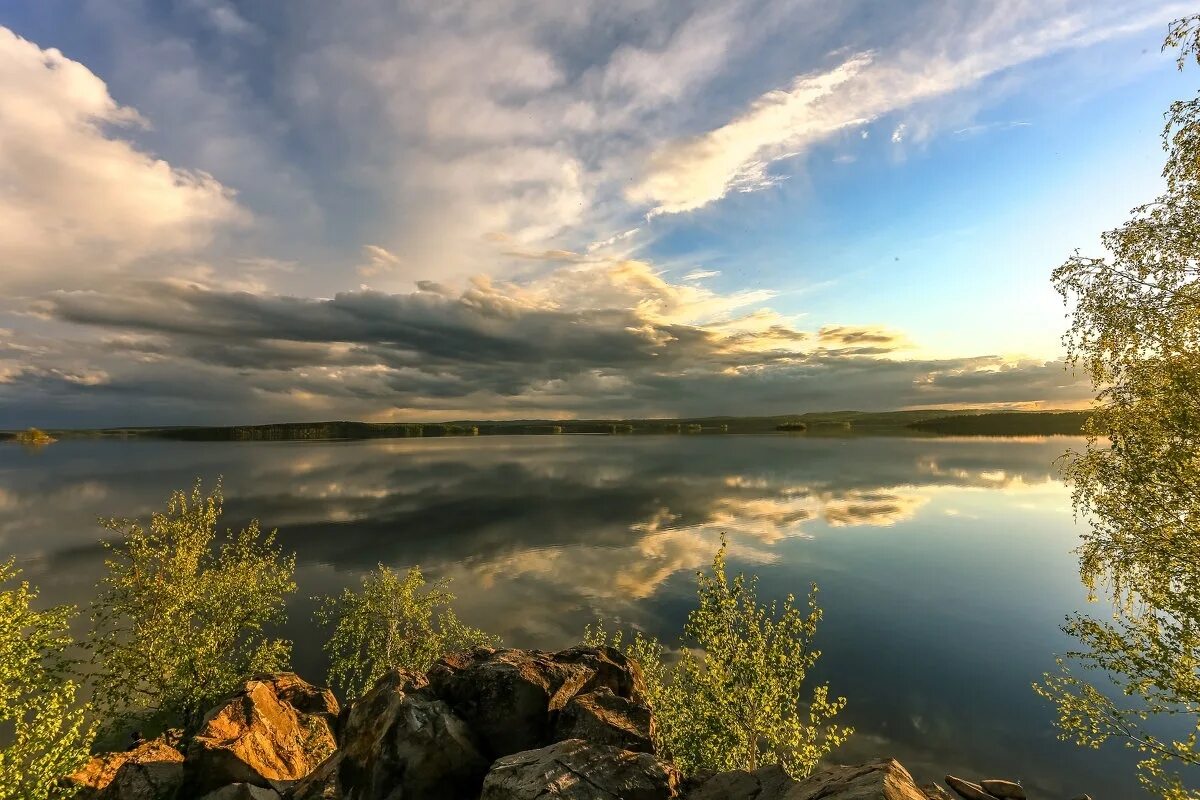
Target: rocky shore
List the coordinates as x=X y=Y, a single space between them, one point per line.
x=484 y=725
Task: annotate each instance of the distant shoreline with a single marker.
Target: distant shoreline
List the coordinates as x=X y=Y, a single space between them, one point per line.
x=941 y=422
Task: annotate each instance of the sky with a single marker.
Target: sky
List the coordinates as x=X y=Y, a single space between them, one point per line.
x=220 y=212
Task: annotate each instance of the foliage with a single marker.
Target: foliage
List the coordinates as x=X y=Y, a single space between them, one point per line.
x=45 y=732
x=181 y=616
x=733 y=700
x=1136 y=331
x=393 y=620
x=34 y=437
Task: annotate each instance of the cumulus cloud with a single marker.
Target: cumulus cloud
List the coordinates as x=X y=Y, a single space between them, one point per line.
x=75 y=198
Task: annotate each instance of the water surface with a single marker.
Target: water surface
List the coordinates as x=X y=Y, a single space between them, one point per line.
x=944 y=565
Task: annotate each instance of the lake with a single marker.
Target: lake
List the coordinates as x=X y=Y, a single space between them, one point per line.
x=944 y=565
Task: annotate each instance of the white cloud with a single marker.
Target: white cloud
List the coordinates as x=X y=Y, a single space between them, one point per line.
x=74 y=200
x=379 y=261
x=898 y=133
x=686 y=175
x=690 y=173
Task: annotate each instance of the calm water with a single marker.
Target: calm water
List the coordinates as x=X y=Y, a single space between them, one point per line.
x=944 y=564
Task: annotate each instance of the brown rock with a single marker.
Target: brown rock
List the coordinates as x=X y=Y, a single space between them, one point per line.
x=242 y=791
x=576 y=770
x=883 y=779
x=510 y=698
x=966 y=789
x=259 y=737
x=935 y=792
x=151 y=771
x=764 y=783
x=601 y=717
x=399 y=740
x=1005 y=790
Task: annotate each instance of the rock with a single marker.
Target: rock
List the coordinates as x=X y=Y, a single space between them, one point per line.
x=883 y=779
x=1082 y=797
x=242 y=791
x=966 y=789
x=764 y=783
x=322 y=783
x=151 y=771
x=934 y=792
x=399 y=740
x=1005 y=790
x=601 y=717
x=510 y=698
x=576 y=770
x=271 y=733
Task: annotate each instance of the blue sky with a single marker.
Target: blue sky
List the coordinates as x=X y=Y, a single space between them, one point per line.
x=402 y=210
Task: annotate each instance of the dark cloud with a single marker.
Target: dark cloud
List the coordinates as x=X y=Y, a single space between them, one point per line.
x=848 y=335
x=614 y=340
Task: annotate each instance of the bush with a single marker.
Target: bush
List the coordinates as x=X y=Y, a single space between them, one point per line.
x=732 y=700
x=392 y=621
x=180 y=619
x=45 y=732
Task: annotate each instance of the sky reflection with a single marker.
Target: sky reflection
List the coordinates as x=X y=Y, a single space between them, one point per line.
x=945 y=565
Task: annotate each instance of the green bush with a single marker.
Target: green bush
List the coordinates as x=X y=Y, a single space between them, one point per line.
x=44 y=729
x=181 y=616
x=732 y=699
x=393 y=620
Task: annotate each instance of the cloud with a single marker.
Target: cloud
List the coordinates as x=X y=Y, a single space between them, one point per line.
x=379 y=261
x=75 y=200
x=851 y=335
x=689 y=173
x=606 y=339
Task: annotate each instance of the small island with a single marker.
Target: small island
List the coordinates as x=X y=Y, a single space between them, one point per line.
x=34 y=437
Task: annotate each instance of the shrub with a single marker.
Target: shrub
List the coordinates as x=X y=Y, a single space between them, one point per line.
x=45 y=732
x=181 y=616
x=733 y=699
x=393 y=620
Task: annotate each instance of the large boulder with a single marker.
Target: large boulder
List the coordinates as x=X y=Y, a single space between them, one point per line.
x=764 y=783
x=1003 y=789
x=271 y=733
x=577 y=770
x=399 y=741
x=151 y=771
x=602 y=717
x=883 y=779
x=967 y=790
x=242 y=791
x=512 y=698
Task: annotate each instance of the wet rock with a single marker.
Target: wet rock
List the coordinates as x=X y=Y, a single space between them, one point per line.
x=883 y=779
x=1005 y=790
x=399 y=740
x=602 y=717
x=151 y=771
x=271 y=733
x=576 y=770
x=511 y=698
x=966 y=789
